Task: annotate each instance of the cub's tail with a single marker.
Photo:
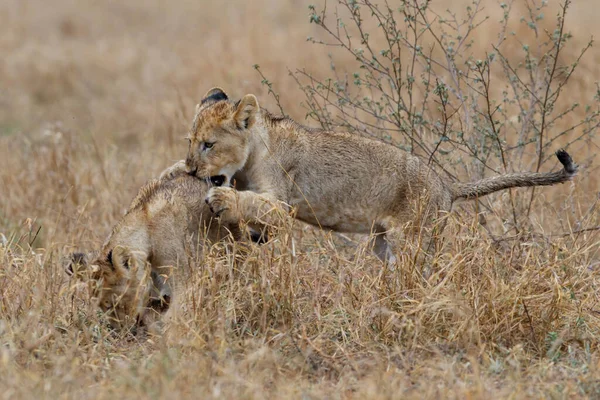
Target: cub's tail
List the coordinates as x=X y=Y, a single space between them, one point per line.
x=520 y=179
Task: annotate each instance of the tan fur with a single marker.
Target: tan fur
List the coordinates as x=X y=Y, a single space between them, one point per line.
x=333 y=180
x=135 y=270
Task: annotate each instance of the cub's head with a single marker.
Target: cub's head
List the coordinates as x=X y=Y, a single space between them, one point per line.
x=219 y=138
x=119 y=281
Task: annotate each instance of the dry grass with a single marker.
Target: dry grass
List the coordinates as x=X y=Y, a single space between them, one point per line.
x=95 y=99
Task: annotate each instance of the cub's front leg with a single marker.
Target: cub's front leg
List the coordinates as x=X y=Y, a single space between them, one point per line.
x=224 y=202
x=233 y=206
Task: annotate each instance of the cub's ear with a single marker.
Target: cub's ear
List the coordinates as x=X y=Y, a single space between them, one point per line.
x=78 y=265
x=122 y=260
x=74 y=263
x=125 y=262
x=214 y=94
x=245 y=114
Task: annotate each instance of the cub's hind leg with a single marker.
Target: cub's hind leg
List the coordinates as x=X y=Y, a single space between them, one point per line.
x=403 y=243
x=415 y=243
x=382 y=248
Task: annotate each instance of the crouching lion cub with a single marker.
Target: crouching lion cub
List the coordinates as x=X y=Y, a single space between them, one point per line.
x=135 y=269
x=333 y=180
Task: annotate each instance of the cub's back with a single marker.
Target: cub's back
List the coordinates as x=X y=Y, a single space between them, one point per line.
x=182 y=200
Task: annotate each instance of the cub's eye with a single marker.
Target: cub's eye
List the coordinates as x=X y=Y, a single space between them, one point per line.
x=208 y=145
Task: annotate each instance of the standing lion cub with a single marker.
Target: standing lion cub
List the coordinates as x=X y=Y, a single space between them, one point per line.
x=333 y=180
x=136 y=269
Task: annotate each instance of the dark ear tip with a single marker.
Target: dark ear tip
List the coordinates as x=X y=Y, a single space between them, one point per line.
x=74 y=258
x=214 y=95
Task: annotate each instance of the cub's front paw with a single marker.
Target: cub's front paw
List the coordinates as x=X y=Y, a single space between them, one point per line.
x=174 y=170
x=223 y=202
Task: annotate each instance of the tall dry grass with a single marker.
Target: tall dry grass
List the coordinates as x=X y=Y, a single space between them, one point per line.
x=95 y=99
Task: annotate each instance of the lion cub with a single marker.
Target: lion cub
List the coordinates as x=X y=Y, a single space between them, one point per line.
x=135 y=269
x=333 y=180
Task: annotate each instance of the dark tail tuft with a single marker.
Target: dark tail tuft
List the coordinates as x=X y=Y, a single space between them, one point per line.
x=567 y=162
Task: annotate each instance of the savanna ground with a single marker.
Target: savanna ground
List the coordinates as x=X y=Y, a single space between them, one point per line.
x=96 y=97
